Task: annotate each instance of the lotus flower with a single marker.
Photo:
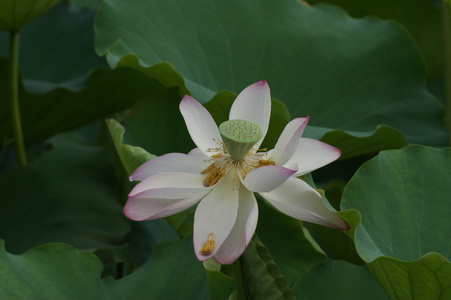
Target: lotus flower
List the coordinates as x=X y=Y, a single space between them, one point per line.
x=225 y=170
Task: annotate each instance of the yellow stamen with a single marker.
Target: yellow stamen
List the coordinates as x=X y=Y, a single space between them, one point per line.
x=215 y=172
x=265 y=162
x=222 y=163
x=209 y=246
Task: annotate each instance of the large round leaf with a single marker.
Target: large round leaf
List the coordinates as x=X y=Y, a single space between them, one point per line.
x=345 y=73
x=59 y=271
x=404 y=199
x=105 y=92
x=351 y=143
x=422 y=18
x=336 y=279
x=44 y=272
x=67 y=195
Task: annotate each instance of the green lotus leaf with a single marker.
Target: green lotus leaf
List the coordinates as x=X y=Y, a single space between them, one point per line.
x=351 y=143
x=67 y=195
x=422 y=18
x=317 y=60
x=44 y=49
x=62 y=109
x=156 y=124
x=130 y=156
x=399 y=205
x=42 y=273
x=339 y=280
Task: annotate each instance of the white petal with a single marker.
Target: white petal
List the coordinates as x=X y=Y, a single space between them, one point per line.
x=253 y=104
x=267 y=178
x=140 y=209
x=164 y=194
x=311 y=155
x=169 y=180
x=298 y=200
x=172 y=162
x=242 y=231
x=198 y=153
x=201 y=126
x=216 y=214
x=288 y=141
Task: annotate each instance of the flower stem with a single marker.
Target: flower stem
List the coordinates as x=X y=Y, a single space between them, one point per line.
x=240 y=286
x=447 y=44
x=13 y=87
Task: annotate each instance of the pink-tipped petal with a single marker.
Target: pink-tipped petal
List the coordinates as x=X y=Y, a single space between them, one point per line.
x=242 y=231
x=298 y=200
x=253 y=104
x=288 y=141
x=164 y=194
x=169 y=180
x=140 y=209
x=201 y=126
x=216 y=215
x=172 y=162
x=311 y=155
x=267 y=178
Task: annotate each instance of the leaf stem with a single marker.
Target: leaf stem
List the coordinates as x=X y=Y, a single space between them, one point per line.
x=13 y=86
x=238 y=274
x=447 y=47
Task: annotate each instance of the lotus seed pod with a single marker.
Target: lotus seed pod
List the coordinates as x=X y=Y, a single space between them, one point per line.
x=239 y=137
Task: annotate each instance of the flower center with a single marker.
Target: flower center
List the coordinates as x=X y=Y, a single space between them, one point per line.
x=236 y=153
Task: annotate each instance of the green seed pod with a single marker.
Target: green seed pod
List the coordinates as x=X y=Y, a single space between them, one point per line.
x=239 y=137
